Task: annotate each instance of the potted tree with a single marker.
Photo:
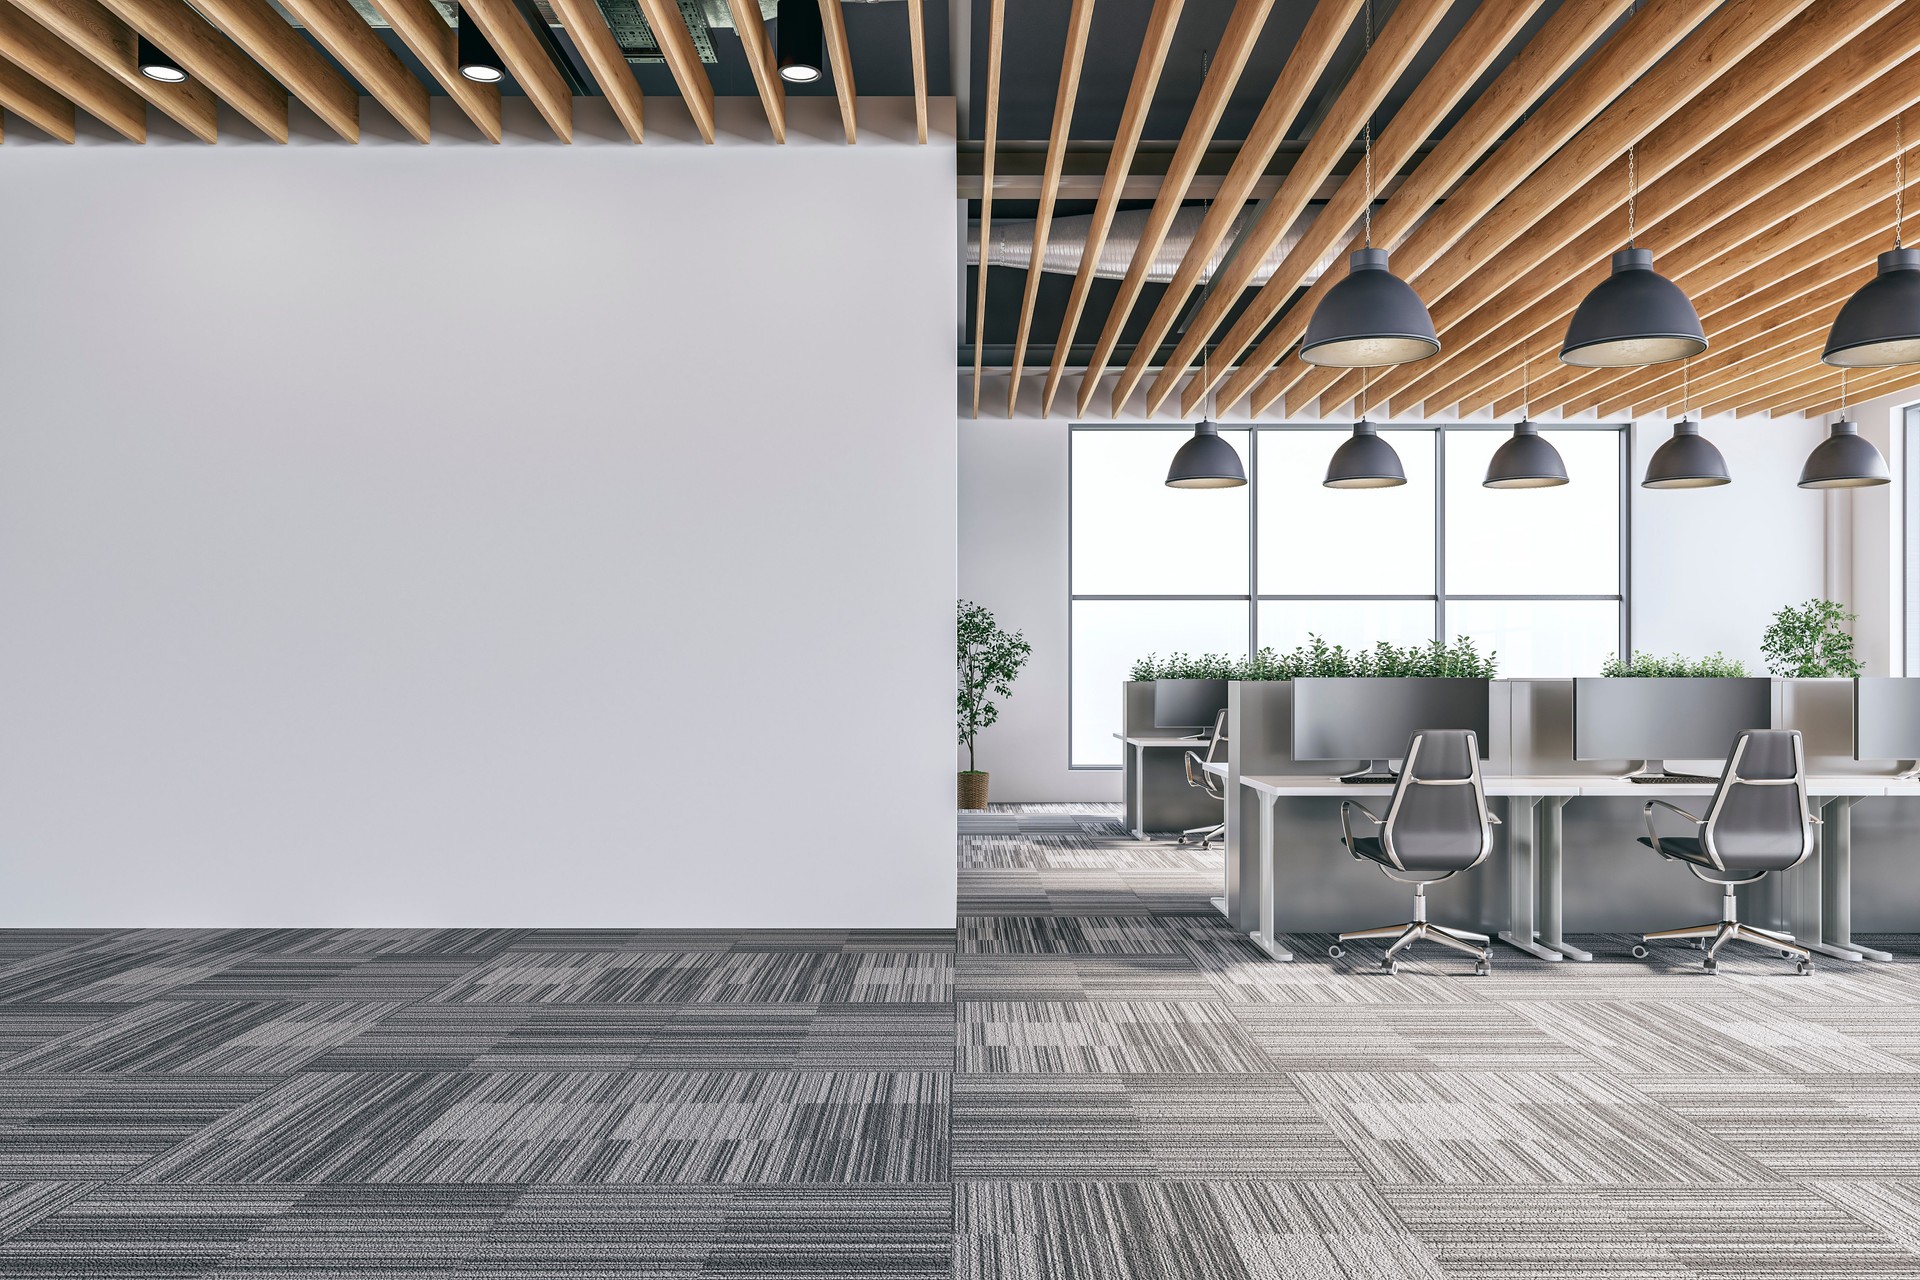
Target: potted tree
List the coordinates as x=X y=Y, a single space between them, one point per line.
x=989 y=659
x=1811 y=642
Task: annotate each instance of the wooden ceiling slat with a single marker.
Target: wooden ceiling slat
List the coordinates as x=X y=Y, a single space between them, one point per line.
x=841 y=56
x=342 y=32
x=1326 y=28
x=670 y=32
x=1229 y=60
x=1133 y=118
x=33 y=102
x=526 y=61
x=1466 y=58
x=209 y=56
x=104 y=40
x=594 y=39
x=429 y=38
x=1746 y=162
x=765 y=67
x=1755 y=378
x=1521 y=233
x=44 y=57
x=1860 y=390
x=1079 y=23
x=284 y=54
x=1444 y=174
x=917 y=46
x=996 y=39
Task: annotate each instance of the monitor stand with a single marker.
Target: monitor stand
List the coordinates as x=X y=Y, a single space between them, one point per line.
x=1375 y=771
x=1657 y=771
x=1910 y=772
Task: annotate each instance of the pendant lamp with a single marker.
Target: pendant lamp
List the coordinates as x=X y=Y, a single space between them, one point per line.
x=1372 y=317
x=1880 y=324
x=1636 y=316
x=1845 y=459
x=1206 y=461
x=1526 y=461
x=801 y=40
x=478 y=61
x=1688 y=460
x=1364 y=461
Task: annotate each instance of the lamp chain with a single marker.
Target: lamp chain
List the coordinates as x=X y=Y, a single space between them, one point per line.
x=1526 y=383
x=1633 y=191
x=1899 y=176
x=1367 y=136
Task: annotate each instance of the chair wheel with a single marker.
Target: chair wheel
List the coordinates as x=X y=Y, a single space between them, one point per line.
x=1639 y=951
x=1710 y=965
x=1391 y=966
x=1805 y=967
x=1787 y=955
x=1482 y=969
x=1336 y=951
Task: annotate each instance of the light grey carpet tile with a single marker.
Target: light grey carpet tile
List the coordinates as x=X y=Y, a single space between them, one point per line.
x=455 y=1037
x=28 y=1026
x=201 y=1038
x=1141 y=1127
x=472 y=944
x=104 y=1127
x=1182 y=1231
x=276 y=977
x=1520 y=1127
x=1066 y=935
x=1891 y=1208
x=1104 y=1036
x=1703 y=1036
x=744 y=977
x=544 y=940
x=24 y=1203
x=1079 y=977
x=578 y=1127
x=1802 y=1126
x=1708 y=1232
x=125 y=1232
x=1242 y=973
x=1364 y=1039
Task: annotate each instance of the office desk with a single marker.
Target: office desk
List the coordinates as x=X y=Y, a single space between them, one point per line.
x=1832 y=915
x=1137 y=800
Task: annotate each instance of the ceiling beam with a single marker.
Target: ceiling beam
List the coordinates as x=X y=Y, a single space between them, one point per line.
x=683 y=60
x=841 y=56
x=1079 y=23
x=1889 y=383
x=527 y=62
x=343 y=33
x=765 y=67
x=1216 y=89
x=1326 y=28
x=210 y=57
x=285 y=54
x=1133 y=118
x=38 y=53
x=108 y=43
x=917 y=47
x=33 y=102
x=608 y=65
x=429 y=38
x=996 y=38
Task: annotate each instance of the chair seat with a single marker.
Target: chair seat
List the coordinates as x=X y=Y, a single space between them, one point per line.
x=1690 y=849
x=1372 y=848
x=1685 y=847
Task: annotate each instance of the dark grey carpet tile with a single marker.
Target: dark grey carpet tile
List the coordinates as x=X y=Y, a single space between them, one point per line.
x=1366 y=1039
x=735 y=977
x=1779 y=1231
x=104 y=1127
x=1182 y=1231
x=24 y=1203
x=447 y=1037
x=28 y=1026
x=473 y=944
x=912 y=1037
x=549 y=940
x=579 y=1127
x=1114 y=1036
x=17 y=945
x=192 y=1037
x=1141 y=1127
x=386 y=1232
x=144 y=1233
x=1066 y=935
x=274 y=977
x=1079 y=977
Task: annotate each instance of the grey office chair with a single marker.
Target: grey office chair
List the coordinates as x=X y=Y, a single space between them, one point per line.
x=1215 y=787
x=1757 y=823
x=1437 y=826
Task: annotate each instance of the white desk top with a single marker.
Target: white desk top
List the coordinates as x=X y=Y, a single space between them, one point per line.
x=1165 y=740
x=1217 y=768
x=1822 y=786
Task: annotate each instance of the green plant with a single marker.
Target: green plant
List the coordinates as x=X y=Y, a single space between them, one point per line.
x=1810 y=641
x=1462 y=658
x=990 y=658
x=1647 y=667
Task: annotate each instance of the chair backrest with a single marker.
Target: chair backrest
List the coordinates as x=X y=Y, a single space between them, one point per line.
x=1216 y=753
x=1758 y=820
x=1437 y=819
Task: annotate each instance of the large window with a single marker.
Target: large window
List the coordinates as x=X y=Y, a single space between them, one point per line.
x=1533 y=574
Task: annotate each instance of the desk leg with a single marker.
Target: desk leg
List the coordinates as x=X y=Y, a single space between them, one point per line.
x=1836 y=884
x=1139 y=791
x=1266 y=938
x=1547 y=829
x=1521 y=877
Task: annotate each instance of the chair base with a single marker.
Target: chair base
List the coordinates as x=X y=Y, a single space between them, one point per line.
x=1420 y=929
x=1207 y=835
x=1718 y=934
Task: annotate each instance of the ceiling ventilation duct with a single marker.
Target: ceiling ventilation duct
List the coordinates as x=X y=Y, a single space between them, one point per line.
x=1012 y=246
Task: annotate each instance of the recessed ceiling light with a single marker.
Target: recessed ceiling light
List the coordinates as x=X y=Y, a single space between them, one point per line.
x=478 y=61
x=802 y=41
x=156 y=65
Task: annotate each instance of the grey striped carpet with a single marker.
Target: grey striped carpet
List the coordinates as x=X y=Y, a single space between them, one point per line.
x=1092 y=1080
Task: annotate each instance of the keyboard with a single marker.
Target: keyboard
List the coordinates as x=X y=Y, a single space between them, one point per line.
x=1665 y=779
x=1370 y=779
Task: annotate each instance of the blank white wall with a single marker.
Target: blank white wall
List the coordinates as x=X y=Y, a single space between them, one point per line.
x=465 y=535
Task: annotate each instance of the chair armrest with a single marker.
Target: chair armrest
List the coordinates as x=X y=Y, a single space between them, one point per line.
x=1346 y=822
x=1192 y=761
x=1653 y=836
x=1494 y=818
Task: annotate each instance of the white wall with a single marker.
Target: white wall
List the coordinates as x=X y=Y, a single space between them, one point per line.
x=1709 y=567
x=478 y=535
x=1873 y=521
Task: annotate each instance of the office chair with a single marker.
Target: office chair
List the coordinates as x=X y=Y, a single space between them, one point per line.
x=1215 y=787
x=1757 y=823
x=1437 y=826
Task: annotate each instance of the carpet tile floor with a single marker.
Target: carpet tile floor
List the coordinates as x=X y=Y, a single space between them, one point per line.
x=1092 y=1079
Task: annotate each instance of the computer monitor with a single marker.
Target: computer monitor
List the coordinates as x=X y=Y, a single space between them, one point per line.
x=1373 y=719
x=1188 y=704
x=1886 y=718
x=1666 y=718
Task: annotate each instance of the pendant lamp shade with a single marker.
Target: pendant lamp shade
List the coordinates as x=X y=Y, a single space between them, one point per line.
x=1526 y=461
x=478 y=61
x=1880 y=324
x=1687 y=461
x=1844 y=460
x=1206 y=462
x=1371 y=318
x=801 y=40
x=1364 y=461
x=1636 y=316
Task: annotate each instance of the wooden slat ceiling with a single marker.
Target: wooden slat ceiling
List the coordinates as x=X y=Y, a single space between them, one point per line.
x=1760 y=136
x=252 y=55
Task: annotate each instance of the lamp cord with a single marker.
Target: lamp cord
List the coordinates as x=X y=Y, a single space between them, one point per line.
x=1366 y=135
x=1526 y=383
x=1899 y=176
x=1686 y=388
x=1633 y=191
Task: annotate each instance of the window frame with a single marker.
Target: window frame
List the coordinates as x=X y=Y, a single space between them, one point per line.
x=1440 y=597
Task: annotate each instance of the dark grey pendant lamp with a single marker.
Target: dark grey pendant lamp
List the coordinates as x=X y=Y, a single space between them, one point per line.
x=1688 y=460
x=1526 y=461
x=801 y=42
x=1636 y=316
x=1206 y=461
x=1880 y=324
x=1372 y=317
x=1845 y=459
x=1364 y=461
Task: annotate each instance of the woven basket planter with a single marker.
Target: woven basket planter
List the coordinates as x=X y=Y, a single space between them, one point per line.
x=973 y=790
